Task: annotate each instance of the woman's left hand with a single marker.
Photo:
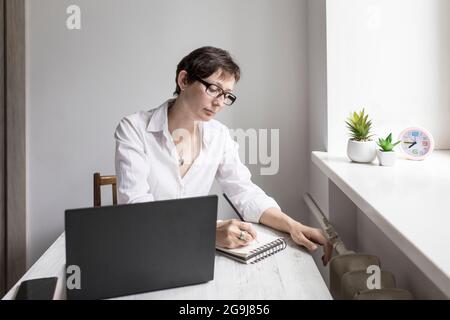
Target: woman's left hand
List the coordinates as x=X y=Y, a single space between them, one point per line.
x=309 y=238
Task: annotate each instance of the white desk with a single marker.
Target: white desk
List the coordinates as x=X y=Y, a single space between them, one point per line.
x=409 y=202
x=289 y=274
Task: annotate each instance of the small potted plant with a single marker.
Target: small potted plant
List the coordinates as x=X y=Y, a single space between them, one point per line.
x=360 y=147
x=386 y=155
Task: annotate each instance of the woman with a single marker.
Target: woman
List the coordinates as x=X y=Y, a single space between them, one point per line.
x=177 y=150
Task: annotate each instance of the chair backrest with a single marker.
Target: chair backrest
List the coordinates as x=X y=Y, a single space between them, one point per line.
x=101 y=181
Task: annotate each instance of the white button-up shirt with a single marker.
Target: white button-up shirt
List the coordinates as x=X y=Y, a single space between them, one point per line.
x=147 y=165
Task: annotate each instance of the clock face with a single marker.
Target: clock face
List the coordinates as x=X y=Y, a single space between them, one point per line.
x=416 y=143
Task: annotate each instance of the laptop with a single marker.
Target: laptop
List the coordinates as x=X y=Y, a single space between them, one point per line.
x=136 y=248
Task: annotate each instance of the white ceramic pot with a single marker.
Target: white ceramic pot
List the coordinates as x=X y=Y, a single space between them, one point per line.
x=361 y=151
x=386 y=158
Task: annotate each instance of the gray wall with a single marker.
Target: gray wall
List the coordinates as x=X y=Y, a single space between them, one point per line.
x=317 y=109
x=81 y=83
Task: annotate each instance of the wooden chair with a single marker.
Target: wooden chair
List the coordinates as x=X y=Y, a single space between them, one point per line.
x=101 y=181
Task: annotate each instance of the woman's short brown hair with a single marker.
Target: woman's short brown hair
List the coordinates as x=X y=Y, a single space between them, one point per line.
x=205 y=61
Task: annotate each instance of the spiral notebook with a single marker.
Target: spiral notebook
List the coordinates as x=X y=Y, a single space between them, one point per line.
x=264 y=246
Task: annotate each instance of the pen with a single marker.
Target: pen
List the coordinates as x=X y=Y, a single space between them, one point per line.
x=235 y=210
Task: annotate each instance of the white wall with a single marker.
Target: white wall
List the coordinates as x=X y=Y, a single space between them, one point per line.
x=392 y=57
x=81 y=83
x=407 y=275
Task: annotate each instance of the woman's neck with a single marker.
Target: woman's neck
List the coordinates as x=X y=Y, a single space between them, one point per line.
x=180 y=117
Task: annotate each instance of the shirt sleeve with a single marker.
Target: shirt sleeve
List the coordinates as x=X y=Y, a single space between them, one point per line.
x=132 y=165
x=235 y=180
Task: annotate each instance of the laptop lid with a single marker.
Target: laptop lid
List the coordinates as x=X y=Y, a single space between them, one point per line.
x=136 y=248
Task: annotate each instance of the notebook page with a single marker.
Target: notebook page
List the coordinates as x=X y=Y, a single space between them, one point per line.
x=262 y=239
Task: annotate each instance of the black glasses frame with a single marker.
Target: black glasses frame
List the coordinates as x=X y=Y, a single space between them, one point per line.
x=226 y=95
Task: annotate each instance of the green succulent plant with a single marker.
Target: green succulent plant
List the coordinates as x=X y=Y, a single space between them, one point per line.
x=359 y=126
x=386 y=144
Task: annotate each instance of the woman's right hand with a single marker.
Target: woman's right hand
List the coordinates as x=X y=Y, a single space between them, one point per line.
x=229 y=231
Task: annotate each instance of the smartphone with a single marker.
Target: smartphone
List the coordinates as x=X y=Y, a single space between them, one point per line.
x=37 y=289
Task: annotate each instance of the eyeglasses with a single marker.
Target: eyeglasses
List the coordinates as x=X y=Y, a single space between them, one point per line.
x=216 y=92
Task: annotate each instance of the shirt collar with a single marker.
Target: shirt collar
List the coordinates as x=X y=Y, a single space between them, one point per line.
x=206 y=132
x=159 y=122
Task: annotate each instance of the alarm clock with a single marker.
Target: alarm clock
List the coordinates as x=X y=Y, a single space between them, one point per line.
x=416 y=143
